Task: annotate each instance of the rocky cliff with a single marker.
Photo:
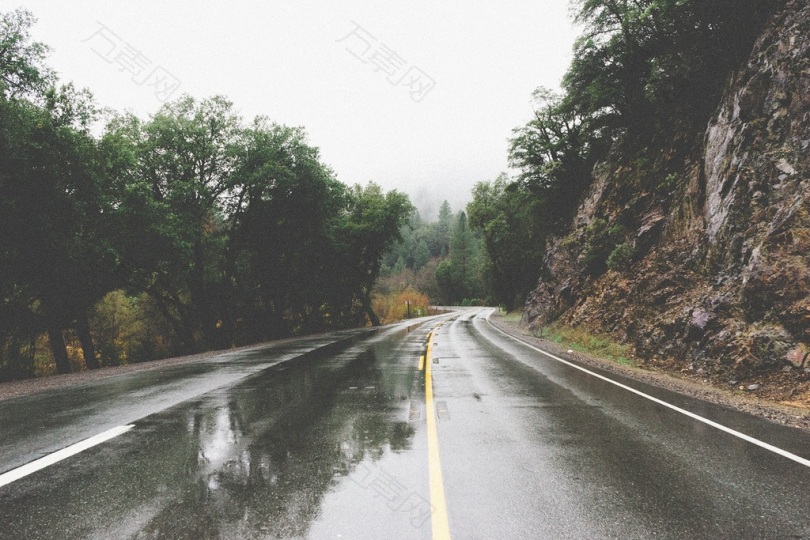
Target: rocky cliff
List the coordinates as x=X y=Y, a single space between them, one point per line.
x=701 y=257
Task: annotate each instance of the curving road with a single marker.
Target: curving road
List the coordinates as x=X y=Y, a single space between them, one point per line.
x=336 y=437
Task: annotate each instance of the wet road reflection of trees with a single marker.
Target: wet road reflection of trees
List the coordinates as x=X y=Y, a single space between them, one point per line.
x=252 y=461
x=267 y=452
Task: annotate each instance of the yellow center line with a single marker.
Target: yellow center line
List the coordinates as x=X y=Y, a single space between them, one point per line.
x=441 y=528
x=421 y=362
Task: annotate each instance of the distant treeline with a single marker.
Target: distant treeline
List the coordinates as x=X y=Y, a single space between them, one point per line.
x=443 y=260
x=186 y=231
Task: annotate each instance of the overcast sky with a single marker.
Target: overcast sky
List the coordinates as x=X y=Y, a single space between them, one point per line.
x=419 y=96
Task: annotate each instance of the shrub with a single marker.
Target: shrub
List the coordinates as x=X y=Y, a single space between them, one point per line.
x=600 y=242
x=621 y=256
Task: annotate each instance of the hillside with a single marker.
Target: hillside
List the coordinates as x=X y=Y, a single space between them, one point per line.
x=707 y=231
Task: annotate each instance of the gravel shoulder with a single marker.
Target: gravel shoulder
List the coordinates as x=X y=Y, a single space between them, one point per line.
x=693 y=386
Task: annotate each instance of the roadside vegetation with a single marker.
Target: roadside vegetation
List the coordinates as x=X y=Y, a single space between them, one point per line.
x=403 y=304
x=578 y=339
x=185 y=231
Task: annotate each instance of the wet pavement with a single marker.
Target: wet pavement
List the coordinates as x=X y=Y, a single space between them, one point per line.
x=333 y=444
x=563 y=454
x=38 y=424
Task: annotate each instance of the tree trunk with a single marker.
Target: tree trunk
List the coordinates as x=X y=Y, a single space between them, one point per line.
x=375 y=321
x=89 y=351
x=509 y=304
x=58 y=347
x=183 y=333
x=273 y=320
x=199 y=312
x=187 y=329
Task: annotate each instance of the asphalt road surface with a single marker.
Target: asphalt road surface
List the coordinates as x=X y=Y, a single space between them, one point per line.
x=340 y=437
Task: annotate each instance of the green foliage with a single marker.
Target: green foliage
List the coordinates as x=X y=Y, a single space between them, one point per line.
x=552 y=153
x=514 y=226
x=580 y=339
x=600 y=241
x=369 y=228
x=670 y=184
x=621 y=256
x=442 y=235
x=442 y=259
x=640 y=67
x=640 y=63
x=128 y=329
x=284 y=208
x=22 y=72
x=420 y=241
x=184 y=231
x=458 y=275
x=172 y=207
x=57 y=257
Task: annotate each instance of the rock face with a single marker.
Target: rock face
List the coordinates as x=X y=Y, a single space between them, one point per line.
x=719 y=277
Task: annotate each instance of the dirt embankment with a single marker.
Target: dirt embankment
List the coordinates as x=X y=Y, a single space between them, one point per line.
x=767 y=400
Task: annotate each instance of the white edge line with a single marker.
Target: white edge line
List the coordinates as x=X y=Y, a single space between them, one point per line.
x=36 y=465
x=721 y=427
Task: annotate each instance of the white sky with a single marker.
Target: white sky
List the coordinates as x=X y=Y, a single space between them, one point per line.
x=284 y=60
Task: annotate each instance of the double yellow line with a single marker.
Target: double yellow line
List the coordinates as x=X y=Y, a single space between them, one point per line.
x=441 y=528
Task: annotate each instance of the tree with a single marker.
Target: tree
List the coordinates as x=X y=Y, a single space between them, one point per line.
x=285 y=210
x=249 y=235
x=642 y=63
x=236 y=233
x=179 y=167
x=640 y=68
x=22 y=72
x=55 y=242
x=442 y=236
x=370 y=225
x=552 y=155
x=458 y=275
x=421 y=254
x=514 y=226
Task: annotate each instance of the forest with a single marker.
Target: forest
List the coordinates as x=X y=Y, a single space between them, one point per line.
x=190 y=230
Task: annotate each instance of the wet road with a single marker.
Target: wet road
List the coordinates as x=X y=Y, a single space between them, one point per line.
x=339 y=444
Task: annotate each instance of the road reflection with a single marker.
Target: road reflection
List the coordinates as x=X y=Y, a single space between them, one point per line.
x=257 y=460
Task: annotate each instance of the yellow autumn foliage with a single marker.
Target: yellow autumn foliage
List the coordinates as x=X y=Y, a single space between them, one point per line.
x=393 y=306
